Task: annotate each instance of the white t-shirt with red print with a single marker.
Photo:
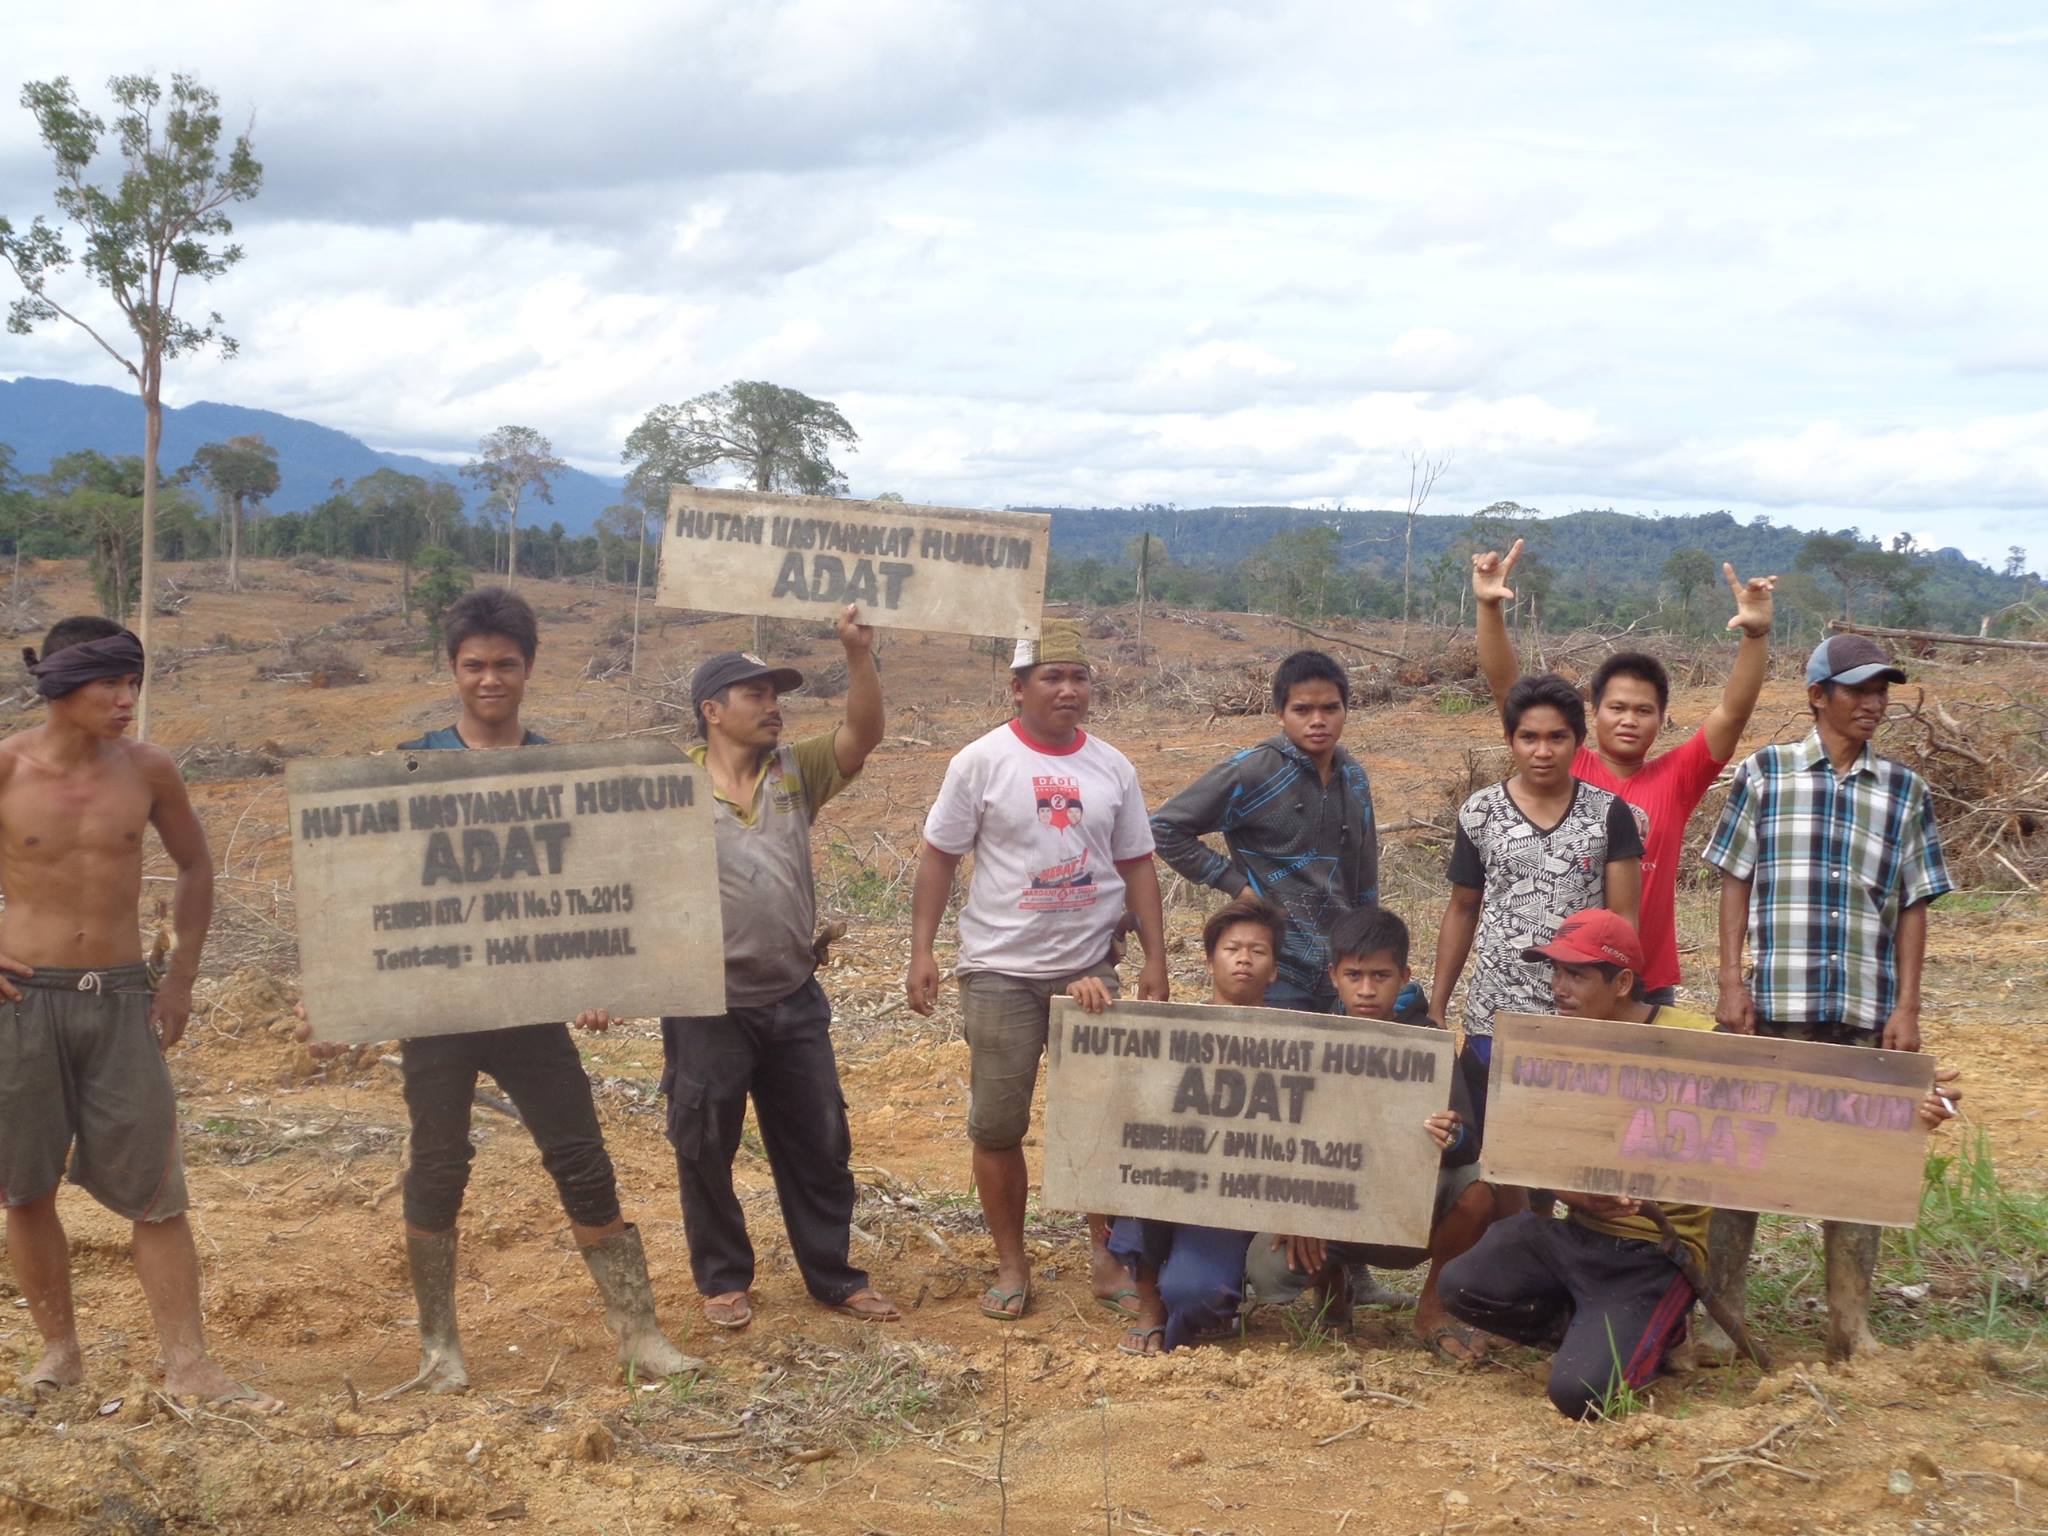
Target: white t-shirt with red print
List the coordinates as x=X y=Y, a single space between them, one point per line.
x=1047 y=827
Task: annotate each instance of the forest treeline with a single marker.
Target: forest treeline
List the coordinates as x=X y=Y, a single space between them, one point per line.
x=1580 y=568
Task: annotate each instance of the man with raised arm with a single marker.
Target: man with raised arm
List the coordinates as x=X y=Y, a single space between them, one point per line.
x=1631 y=694
x=1829 y=858
x=774 y=1041
x=1056 y=822
x=86 y=1021
x=491 y=639
x=1295 y=812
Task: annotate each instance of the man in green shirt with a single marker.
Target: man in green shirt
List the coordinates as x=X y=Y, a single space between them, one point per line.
x=774 y=1040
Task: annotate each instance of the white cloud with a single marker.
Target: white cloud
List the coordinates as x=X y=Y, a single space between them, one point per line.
x=1116 y=252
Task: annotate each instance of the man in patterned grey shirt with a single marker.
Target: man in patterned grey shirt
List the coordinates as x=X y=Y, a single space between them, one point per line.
x=1829 y=858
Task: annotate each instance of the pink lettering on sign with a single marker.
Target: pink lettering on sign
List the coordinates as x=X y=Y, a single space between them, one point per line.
x=1680 y=1136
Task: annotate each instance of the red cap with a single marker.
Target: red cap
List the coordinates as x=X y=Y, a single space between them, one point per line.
x=1595 y=936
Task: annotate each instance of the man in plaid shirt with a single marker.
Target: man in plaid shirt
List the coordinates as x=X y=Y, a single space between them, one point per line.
x=1829 y=857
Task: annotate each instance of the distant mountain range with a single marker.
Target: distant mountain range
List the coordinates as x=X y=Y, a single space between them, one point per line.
x=44 y=419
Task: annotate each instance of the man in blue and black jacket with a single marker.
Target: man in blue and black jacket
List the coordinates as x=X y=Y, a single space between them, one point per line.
x=1295 y=812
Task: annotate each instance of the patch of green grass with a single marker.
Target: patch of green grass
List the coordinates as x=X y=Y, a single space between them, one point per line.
x=1984 y=898
x=1981 y=1249
x=1452 y=702
x=867 y=892
x=1313 y=1329
x=1620 y=1399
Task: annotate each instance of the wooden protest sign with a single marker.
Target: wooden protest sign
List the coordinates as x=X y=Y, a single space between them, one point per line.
x=442 y=892
x=1740 y=1121
x=1255 y=1119
x=806 y=557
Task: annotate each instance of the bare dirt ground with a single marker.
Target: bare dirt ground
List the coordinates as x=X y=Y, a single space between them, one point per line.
x=945 y=1422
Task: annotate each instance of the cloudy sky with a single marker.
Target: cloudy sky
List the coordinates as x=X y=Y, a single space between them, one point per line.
x=1781 y=258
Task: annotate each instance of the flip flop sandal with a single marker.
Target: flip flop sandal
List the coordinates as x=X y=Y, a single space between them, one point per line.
x=730 y=1315
x=1001 y=1310
x=1142 y=1336
x=867 y=1307
x=1469 y=1337
x=1114 y=1302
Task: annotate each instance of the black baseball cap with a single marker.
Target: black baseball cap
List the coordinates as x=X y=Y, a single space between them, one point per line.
x=729 y=667
x=1851 y=659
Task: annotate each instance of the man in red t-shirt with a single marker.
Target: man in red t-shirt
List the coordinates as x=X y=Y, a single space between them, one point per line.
x=1631 y=693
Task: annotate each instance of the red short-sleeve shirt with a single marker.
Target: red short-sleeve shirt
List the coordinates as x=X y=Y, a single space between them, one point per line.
x=1663 y=794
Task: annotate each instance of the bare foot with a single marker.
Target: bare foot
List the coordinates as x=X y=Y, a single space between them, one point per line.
x=61 y=1366
x=212 y=1385
x=1110 y=1280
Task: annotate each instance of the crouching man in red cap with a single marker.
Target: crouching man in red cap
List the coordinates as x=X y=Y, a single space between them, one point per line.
x=1595 y=1284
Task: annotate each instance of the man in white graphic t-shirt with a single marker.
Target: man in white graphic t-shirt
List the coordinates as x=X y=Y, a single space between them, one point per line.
x=1062 y=844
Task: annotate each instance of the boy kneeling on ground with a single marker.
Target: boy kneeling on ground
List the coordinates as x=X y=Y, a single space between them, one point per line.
x=1369 y=969
x=1191 y=1278
x=1596 y=1285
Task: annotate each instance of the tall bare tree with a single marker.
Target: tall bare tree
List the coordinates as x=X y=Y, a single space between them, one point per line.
x=158 y=223
x=510 y=462
x=1422 y=477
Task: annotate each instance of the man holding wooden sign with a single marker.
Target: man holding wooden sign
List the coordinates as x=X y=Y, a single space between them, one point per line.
x=489 y=852
x=1829 y=859
x=1368 y=968
x=1238 y=1118
x=1598 y=1277
x=773 y=1039
x=1614 y=1115
x=806 y=557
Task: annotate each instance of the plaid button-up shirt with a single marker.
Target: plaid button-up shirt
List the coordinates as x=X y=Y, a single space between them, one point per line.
x=1833 y=861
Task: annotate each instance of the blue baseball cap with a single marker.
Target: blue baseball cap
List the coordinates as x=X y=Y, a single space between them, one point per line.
x=1850 y=659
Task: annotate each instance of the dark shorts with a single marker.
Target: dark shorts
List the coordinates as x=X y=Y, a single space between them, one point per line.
x=1006 y=1019
x=81 y=1077
x=1662 y=997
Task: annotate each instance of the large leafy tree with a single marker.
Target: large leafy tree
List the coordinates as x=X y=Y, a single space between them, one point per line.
x=395 y=506
x=161 y=220
x=780 y=439
x=97 y=502
x=1688 y=572
x=510 y=463
x=241 y=473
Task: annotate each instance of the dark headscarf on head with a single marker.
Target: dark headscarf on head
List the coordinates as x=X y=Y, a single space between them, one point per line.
x=87 y=662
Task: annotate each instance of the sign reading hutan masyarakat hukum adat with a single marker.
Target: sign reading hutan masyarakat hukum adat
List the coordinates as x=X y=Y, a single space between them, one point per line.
x=442 y=892
x=1745 y=1122
x=1254 y=1119
x=807 y=557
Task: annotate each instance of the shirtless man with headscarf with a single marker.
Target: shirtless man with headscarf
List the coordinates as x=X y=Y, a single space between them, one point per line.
x=84 y=1021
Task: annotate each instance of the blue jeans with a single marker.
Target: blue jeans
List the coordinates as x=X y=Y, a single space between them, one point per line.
x=1200 y=1269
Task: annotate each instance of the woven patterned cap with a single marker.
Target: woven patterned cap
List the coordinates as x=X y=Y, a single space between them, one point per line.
x=1060 y=641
